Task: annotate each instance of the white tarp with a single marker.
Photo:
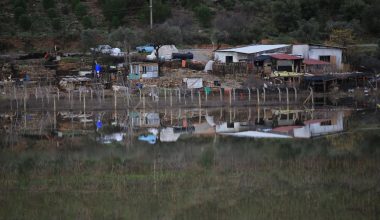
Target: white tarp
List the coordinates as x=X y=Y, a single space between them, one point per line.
x=165 y=53
x=193 y=83
x=208 y=66
x=109 y=138
x=168 y=135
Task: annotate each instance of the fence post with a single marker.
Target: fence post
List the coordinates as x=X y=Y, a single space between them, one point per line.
x=230 y=97
x=234 y=94
x=258 y=96
x=264 y=93
x=279 y=94
x=295 y=94
x=171 y=98
x=221 y=95
x=165 y=94
x=287 y=96
x=199 y=99
x=249 y=94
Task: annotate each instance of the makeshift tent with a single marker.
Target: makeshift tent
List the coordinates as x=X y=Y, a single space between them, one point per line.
x=165 y=52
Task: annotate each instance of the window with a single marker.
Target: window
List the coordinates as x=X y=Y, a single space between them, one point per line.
x=325 y=58
x=326 y=123
x=229 y=59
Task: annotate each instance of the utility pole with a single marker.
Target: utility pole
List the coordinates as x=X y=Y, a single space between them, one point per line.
x=151 y=13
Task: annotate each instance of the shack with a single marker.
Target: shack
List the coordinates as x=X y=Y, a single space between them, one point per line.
x=329 y=54
x=248 y=53
x=316 y=66
x=143 y=70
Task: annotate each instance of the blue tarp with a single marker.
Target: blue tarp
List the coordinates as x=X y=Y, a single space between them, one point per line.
x=150 y=138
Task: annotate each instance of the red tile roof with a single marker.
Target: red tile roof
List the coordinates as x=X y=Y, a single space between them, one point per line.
x=283 y=56
x=315 y=62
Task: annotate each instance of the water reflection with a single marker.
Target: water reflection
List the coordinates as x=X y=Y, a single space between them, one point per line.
x=169 y=125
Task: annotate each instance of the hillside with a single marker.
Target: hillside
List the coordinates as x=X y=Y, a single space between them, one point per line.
x=29 y=25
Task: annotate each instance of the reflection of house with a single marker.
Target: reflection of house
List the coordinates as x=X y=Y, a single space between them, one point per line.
x=230 y=127
x=320 y=127
x=145 y=119
x=283 y=118
x=313 y=128
x=328 y=54
x=143 y=70
x=248 y=53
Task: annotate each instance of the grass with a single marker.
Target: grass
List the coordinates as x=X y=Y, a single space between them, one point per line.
x=226 y=178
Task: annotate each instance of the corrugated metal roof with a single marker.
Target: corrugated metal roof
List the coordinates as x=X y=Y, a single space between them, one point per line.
x=283 y=56
x=258 y=48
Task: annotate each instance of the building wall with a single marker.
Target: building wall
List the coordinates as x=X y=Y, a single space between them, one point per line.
x=222 y=128
x=221 y=56
x=316 y=129
x=302 y=50
x=314 y=53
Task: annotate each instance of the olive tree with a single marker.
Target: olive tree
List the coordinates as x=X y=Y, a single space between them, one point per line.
x=125 y=38
x=163 y=34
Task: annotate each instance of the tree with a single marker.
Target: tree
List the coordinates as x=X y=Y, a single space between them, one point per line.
x=184 y=20
x=48 y=4
x=25 y=22
x=163 y=35
x=352 y=9
x=18 y=12
x=204 y=15
x=371 y=18
x=90 y=38
x=80 y=10
x=285 y=15
x=308 y=31
x=125 y=38
x=87 y=22
x=56 y=23
x=341 y=37
x=218 y=37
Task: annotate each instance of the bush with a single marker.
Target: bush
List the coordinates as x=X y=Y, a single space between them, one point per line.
x=204 y=15
x=18 y=12
x=51 y=12
x=80 y=10
x=25 y=22
x=87 y=22
x=56 y=23
x=48 y=4
x=19 y=3
x=65 y=10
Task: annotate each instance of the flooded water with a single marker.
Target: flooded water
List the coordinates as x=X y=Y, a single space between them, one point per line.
x=255 y=161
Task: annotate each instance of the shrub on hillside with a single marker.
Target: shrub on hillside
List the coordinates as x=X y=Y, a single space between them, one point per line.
x=48 y=4
x=25 y=22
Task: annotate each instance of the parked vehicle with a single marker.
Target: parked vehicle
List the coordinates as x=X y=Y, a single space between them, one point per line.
x=183 y=56
x=148 y=48
x=105 y=49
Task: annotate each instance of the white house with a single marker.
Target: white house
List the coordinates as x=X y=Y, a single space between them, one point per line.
x=328 y=54
x=320 y=127
x=249 y=52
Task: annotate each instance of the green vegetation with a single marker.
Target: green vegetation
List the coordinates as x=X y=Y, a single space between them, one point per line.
x=48 y=4
x=277 y=20
x=220 y=178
